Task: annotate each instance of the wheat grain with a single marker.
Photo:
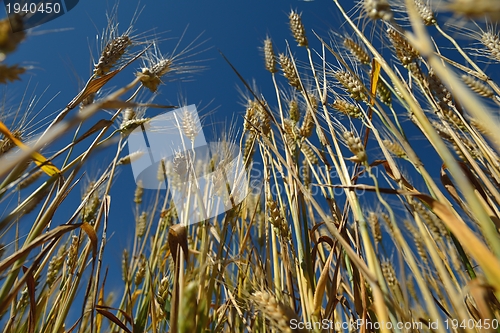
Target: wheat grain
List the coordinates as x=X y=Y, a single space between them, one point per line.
x=417 y=238
x=378 y=9
x=358 y=51
x=125 y=266
x=130 y=158
x=306 y=129
x=309 y=153
x=55 y=266
x=8 y=39
x=34 y=202
x=140 y=228
x=92 y=203
x=356 y=147
x=278 y=314
x=111 y=54
x=150 y=77
x=72 y=256
x=352 y=84
x=384 y=93
x=416 y=73
x=347 y=108
x=405 y=52
x=477 y=86
x=426 y=217
x=293 y=110
x=425 y=12
x=190 y=125
x=387 y=221
x=389 y=274
x=269 y=56
x=491 y=40
x=30 y=179
x=394 y=148
x=128 y=115
x=249 y=149
x=139 y=191
x=289 y=72
x=141 y=270
x=297 y=28
x=127 y=127
x=161 y=172
x=375 y=227
x=476 y=8
x=479 y=126
x=305 y=173
x=437 y=87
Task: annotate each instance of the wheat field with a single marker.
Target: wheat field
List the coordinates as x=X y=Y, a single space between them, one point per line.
x=345 y=228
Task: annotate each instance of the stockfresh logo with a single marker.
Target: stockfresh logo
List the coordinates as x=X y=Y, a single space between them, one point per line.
x=26 y=14
x=204 y=179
